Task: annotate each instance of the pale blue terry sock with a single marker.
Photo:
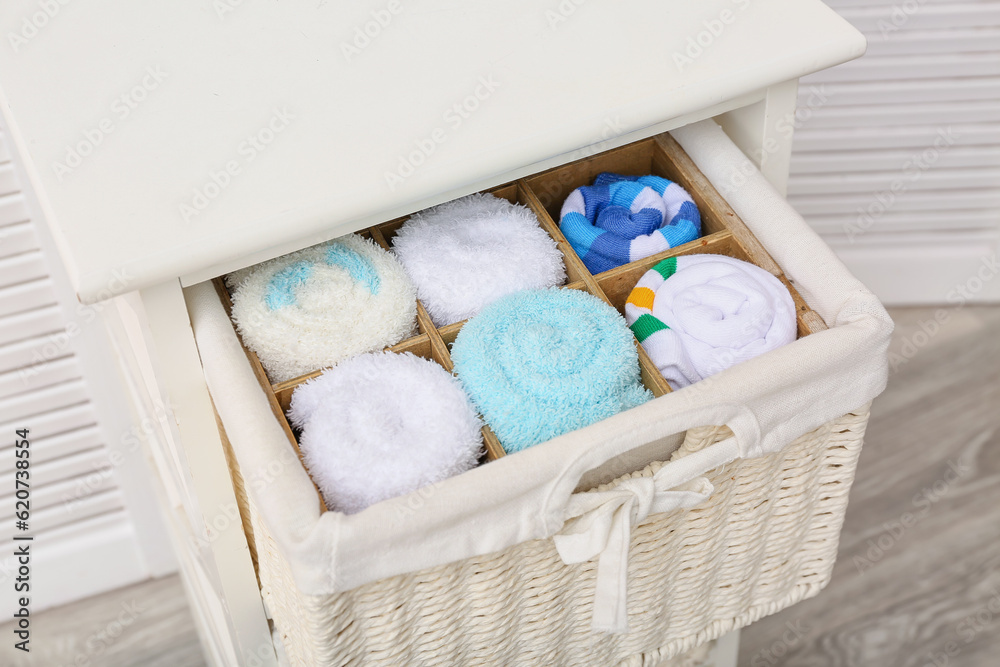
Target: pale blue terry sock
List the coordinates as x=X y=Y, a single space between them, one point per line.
x=540 y=363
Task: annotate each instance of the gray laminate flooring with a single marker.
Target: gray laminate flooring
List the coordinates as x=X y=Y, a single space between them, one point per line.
x=927 y=593
x=146 y=625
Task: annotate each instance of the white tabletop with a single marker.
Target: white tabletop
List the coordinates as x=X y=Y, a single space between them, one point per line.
x=123 y=109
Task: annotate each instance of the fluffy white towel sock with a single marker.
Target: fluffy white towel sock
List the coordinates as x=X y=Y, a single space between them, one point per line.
x=310 y=309
x=467 y=253
x=382 y=425
x=697 y=315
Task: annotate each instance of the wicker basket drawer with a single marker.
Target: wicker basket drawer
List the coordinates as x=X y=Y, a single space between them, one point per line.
x=766 y=538
x=723 y=233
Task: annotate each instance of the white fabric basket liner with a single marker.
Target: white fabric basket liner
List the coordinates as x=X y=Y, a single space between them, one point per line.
x=767 y=402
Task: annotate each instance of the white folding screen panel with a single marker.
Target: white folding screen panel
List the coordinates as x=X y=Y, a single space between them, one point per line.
x=896 y=160
x=94 y=523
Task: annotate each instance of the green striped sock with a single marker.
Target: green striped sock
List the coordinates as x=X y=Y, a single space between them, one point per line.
x=667 y=267
x=646 y=326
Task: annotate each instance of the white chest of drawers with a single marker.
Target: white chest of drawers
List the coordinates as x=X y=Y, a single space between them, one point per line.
x=165 y=145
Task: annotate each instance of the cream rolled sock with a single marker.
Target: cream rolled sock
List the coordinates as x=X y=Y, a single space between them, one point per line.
x=310 y=309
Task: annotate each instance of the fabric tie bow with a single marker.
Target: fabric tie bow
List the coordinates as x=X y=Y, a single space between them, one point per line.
x=600 y=524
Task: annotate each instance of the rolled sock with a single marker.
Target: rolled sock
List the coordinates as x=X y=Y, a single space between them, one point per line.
x=310 y=309
x=700 y=314
x=541 y=363
x=382 y=425
x=620 y=219
x=467 y=253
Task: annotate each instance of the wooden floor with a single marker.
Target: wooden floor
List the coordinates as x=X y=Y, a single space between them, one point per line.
x=147 y=625
x=927 y=593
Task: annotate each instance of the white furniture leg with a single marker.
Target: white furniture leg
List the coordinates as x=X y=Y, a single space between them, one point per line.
x=764 y=131
x=726 y=651
x=213 y=549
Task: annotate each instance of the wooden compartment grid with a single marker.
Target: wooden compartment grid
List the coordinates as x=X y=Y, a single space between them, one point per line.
x=723 y=233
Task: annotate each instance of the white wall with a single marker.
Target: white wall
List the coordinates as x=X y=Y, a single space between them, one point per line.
x=896 y=157
x=95 y=524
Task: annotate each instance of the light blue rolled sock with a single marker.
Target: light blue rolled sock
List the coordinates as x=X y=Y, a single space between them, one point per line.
x=540 y=363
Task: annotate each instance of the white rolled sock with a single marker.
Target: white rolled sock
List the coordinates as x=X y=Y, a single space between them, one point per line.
x=310 y=309
x=382 y=425
x=697 y=315
x=467 y=253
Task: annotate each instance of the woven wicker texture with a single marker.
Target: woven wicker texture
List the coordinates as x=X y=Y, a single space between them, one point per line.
x=765 y=539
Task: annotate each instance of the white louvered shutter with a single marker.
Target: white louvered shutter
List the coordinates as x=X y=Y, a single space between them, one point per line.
x=920 y=113
x=85 y=541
